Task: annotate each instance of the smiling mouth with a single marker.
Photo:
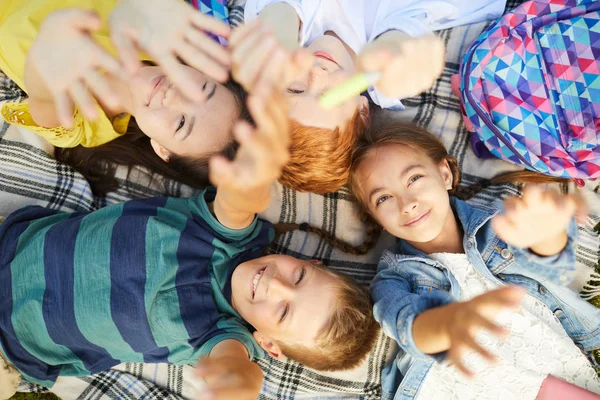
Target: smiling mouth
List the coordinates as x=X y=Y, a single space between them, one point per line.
x=256 y=280
x=157 y=82
x=326 y=56
x=418 y=220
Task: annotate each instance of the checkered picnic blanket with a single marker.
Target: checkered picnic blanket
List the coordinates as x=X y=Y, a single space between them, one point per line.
x=30 y=175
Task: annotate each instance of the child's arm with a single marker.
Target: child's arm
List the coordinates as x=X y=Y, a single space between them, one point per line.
x=452 y=328
x=408 y=65
x=540 y=230
x=168 y=30
x=243 y=185
x=432 y=324
x=62 y=64
x=229 y=374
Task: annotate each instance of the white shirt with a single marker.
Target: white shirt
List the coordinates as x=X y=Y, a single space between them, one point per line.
x=358 y=22
x=537 y=346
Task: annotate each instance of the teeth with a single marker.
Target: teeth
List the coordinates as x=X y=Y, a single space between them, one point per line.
x=255 y=282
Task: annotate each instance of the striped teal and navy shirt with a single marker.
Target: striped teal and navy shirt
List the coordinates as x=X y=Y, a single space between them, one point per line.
x=143 y=281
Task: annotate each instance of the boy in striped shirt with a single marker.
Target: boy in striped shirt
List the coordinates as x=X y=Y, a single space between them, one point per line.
x=177 y=280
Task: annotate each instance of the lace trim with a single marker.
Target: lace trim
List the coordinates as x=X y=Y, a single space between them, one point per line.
x=19 y=114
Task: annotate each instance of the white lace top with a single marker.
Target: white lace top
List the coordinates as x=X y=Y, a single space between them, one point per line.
x=537 y=346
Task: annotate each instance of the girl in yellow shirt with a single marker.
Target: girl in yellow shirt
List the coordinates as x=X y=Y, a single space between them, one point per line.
x=58 y=55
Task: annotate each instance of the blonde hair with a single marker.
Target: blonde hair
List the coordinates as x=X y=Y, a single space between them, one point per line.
x=320 y=158
x=349 y=335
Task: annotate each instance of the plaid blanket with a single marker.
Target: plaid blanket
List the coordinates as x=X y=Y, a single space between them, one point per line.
x=30 y=175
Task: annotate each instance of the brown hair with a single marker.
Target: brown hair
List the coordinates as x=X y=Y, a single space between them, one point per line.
x=349 y=335
x=320 y=158
x=99 y=164
x=420 y=140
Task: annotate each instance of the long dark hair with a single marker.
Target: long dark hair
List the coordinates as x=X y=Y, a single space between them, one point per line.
x=99 y=164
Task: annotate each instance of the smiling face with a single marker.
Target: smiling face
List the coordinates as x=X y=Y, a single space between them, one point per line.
x=180 y=127
x=406 y=192
x=334 y=63
x=283 y=298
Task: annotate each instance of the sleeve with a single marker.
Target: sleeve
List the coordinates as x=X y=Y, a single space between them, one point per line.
x=395 y=307
x=559 y=269
x=420 y=17
x=85 y=133
x=306 y=10
x=199 y=206
x=231 y=329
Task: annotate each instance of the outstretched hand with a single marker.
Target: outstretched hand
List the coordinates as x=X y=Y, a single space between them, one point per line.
x=408 y=65
x=166 y=30
x=263 y=151
x=65 y=64
x=260 y=63
x=470 y=317
x=538 y=220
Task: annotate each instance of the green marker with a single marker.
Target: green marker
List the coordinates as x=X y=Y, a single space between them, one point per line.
x=352 y=87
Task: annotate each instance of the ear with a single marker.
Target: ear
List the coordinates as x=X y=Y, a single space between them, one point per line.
x=160 y=150
x=316 y=262
x=446 y=174
x=363 y=109
x=268 y=345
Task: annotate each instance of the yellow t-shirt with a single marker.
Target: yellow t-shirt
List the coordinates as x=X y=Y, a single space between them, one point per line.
x=20 y=22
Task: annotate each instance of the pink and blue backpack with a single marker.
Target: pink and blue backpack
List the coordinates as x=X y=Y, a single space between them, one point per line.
x=530 y=88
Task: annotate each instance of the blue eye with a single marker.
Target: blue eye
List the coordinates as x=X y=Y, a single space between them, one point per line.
x=381 y=200
x=181 y=123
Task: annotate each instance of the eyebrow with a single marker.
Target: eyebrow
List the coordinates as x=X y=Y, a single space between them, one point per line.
x=189 y=129
x=379 y=189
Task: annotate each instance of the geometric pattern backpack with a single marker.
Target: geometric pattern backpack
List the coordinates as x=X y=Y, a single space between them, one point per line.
x=530 y=88
x=214 y=8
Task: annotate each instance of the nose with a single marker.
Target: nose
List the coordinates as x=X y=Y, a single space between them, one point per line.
x=172 y=97
x=280 y=289
x=408 y=205
x=317 y=77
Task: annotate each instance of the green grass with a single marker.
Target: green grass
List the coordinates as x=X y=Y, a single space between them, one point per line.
x=34 y=396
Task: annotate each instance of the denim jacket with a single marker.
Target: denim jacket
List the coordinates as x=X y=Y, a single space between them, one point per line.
x=408 y=283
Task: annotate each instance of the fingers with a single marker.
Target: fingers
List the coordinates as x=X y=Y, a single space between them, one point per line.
x=64 y=108
x=273 y=124
x=101 y=89
x=492 y=303
x=83 y=19
x=201 y=61
x=455 y=358
x=209 y=23
x=127 y=50
x=199 y=40
x=82 y=98
x=240 y=33
x=252 y=60
x=105 y=61
x=375 y=60
x=188 y=84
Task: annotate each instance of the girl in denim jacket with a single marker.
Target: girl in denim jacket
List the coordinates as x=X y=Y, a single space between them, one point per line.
x=469 y=285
